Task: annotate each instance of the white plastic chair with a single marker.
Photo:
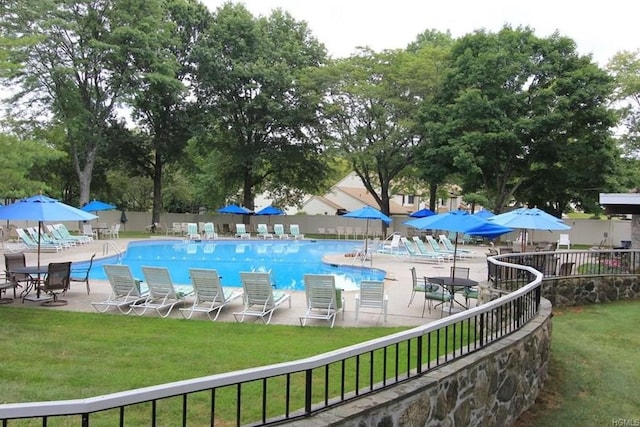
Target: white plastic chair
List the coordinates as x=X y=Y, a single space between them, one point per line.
x=372 y=295
x=564 y=241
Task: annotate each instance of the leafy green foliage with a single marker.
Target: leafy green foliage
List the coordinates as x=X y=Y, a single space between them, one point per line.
x=515 y=114
x=263 y=131
x=23 y=170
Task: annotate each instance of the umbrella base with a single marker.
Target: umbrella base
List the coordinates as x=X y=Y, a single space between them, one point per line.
x=41 y=298
x=54 y=303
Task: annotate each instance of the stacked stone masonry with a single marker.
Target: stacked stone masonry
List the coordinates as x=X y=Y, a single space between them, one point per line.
x=491 y=387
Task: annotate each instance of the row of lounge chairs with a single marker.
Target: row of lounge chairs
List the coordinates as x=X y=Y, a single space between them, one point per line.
x=55 y=238
x=208 y=231
x=417 y=250
x=263 y=232
x=206 y=295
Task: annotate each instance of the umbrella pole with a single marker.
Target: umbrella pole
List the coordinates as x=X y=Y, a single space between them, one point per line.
x=366 y=243
x=39 y=239
x=455 y=255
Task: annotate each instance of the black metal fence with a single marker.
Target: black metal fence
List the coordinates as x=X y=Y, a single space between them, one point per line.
x=298 y=389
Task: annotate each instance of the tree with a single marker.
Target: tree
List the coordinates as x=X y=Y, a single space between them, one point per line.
x=76 y=61
x=23 y=170
x=160 y=103
x=372 y=100
x=263 y=129
x=517 y=111
x=625 y=68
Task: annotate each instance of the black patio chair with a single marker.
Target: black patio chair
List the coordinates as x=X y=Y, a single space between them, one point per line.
x=56 y=283
x=82 y=274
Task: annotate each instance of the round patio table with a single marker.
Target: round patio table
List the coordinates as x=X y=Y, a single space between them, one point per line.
x=35 y=273
x=455 y=283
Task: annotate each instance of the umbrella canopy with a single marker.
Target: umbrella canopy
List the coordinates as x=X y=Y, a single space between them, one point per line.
x=97 y=205
x=532 y=219
x=269 y=210
x=422 y=213
x=459 y=221
x=485 y=214
x=235 y=209
x=529 y=219
x=368 y=213
x=42 y=208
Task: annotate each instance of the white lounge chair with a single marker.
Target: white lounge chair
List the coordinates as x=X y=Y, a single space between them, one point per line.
x=278 y=230
x=66 y=234
x=210 y=296
x=263 y=232
x=391 y=245
x=33 y=244
x=210 y=231
x=55 y=236
x=294 y=230
x=323 y=299
x=163 y=294
x=259 y=298
x=435 y=248
x=125 y=289
x=415 y=255
x=241 y=232
x=449 y=246
x=372 y=295
x=192 y=231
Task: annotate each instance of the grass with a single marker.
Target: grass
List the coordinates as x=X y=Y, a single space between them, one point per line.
x=595 y=368
x=58 y=355
x=593 y=374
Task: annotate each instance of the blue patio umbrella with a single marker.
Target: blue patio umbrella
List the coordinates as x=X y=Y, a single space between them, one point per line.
x=459 y=221
x=485 y=214
x=368 y=213
x=529 y=219
x=97 y=205
x=422 y=213
x=235 y=209
x=269 y=210
x=42 y=208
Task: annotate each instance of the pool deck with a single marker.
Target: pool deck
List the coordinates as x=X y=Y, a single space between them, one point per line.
x=397 y=285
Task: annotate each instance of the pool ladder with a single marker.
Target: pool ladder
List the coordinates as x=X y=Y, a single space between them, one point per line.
x=110 y=244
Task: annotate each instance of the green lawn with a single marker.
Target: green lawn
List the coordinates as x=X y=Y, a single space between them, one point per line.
x=52 y=355
x=595 y=368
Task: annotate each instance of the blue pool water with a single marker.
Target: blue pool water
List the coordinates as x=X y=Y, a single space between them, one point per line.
x=287 y=260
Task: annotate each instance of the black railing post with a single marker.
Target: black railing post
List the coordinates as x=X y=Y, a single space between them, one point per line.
x=481 y=336
x=419 y=356
x=307 y=391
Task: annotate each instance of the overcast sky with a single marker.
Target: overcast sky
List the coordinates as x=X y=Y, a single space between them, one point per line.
x=598 y=28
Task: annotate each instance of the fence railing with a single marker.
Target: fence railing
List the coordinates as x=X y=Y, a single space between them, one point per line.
x=566 y=263
x=297 y=389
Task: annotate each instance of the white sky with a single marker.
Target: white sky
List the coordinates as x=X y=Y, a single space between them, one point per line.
x=598 y=28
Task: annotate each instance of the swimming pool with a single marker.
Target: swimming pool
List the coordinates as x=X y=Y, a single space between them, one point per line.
x=287 y=260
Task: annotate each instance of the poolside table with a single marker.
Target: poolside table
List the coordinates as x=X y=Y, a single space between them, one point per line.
x=35 y=273
x=455 y=283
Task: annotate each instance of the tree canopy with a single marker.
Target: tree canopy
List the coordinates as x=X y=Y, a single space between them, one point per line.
x=201 y=107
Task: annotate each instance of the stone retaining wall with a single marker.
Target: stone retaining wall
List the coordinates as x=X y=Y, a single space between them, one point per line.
x=491 y=387
x=582 y=290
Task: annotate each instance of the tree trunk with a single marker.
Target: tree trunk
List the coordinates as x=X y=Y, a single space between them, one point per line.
x=84 y=175
x=157 y=189
x=433 y=197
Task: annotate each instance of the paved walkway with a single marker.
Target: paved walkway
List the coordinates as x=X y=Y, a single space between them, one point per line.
x=398 y=285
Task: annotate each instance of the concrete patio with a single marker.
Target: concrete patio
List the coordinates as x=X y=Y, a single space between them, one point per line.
x=397 y=285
